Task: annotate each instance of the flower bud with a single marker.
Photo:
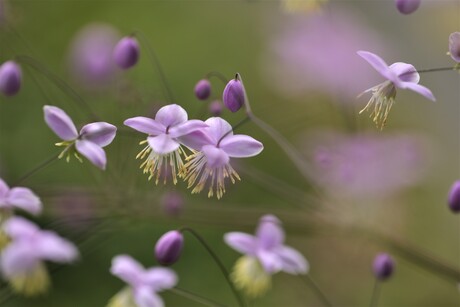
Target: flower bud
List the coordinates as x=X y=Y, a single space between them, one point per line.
x=169 y=247
x=383 y=266
x=126 y=52
x=407 y=6
x=454 y=197
x=454 y=46
x=203 y=89
x=234 y=95
x=10 y=78
x=172 y=203
x=215 y=108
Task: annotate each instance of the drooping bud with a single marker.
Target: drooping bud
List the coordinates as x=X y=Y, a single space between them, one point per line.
x=454 y=197
x=383 y=266
x=407 y=6
x=10 y=78
x=233 y=96
x=203 y=89
x=172 y=203
x=454 y=46
x=126 y=52
x=215 y=108
x=169 y=247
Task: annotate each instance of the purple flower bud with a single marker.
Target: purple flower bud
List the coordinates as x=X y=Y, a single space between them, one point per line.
x=126 y=52
x=407 y=6
x=203 y=89
x=169 y=247
x=172 y=203
x=234 y=95
x=10 y=78
x=215 y=108
x=454 y=197
x=454 y=46
x=383 y=266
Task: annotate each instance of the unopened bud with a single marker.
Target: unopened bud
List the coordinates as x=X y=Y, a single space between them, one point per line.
x=454 y=197
x=215 y=108
x=172 y=203
x=203 y=89
x=383 y=266
x=10 y=78
x=454 y=46
x=233 y=96
x=126 y=52
x=169 y=247
x=407 y=6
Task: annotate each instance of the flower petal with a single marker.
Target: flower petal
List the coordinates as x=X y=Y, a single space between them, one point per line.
x=270 y=261
x=377 y=63
x=171 y=115
x=127 y=269
x=186 y=128
x=52 y=247
x=24 y=199
x=197 y=139
x=218 y=127
x=145 y=125
x=293 y=262
x=93 y=152
x=405 y=72
x=17 y=258
x=145 y=297
x=241 y=146
x=4 y=188
x=269 y=232
x=241 y=242
x=160 y=278
x=60 y=123
x=163 y=144
x=100 y=133
x=19 y=227
x=215 y=157
x=420 y=89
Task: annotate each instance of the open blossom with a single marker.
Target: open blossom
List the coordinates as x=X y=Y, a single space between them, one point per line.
x=264 y=255
x=163 y=149
x=399 y=75
x=22 y=261
x=18 y=197
x=215 y=145
x=143 y=284
x=454 y=46
x=89 y=142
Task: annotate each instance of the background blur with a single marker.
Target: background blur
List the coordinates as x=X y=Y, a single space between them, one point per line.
x=302 y=76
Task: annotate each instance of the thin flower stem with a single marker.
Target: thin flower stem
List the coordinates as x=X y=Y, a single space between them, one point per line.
x=375 y=294
x=241 y=123
x=155 y=61
x=195 y=297
x=37 y=168
x=218 y=75
x=60 y=83
x=218 y=262
x=313 y=286
x=422 y=71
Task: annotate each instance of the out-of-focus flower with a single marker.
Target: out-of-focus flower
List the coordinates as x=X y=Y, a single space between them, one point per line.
x=89 y=142
x=18 y=197
x=172 y=203
x=203 y=89
x=368 y=166
x=454 y=46
x=383 y=266
x=233 y=96
x=143 y=284
x=454 y=197
x=264 y=255
x=163 y=148
x=91 y=61
x=10 y=78
x=407 y=6
x=302 y=6
x=215 y=145
x=316 y=55
x=399 y=76
x=169 y=247
x=126 y=52
x=22 y=261
x=215 y=108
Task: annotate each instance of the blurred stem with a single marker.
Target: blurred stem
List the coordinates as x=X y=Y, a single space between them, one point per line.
x=37 y=169
x=217 y=75
x=375 y=293
x=218 y=262
x=314 y=286
x=195 y=297
x=239 y=124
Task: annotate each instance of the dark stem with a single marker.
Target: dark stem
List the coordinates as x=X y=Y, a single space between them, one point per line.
x=195 y=297
x=218 y=262
x=241 y=123
x=430 y=70
x=153 y=57
x=218 y=75
x=37 y=169
x=375 y=293
x=311 y=283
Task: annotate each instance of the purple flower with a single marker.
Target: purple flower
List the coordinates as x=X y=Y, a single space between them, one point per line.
x=454 y=197
x=399 y=75
x=383 y=266
x=89 y=142
x=169 y=247
x=454 y=46
x=234 y=95
x=215 y=108
x=126 y=52
x=10 y=78
x=407 y=6
x=172 y=203
x=215 y=146
x=264 y=255
x=163 y=148
x=18 y=197
x=22 y=260
x=143 y=284
x=203 y=89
